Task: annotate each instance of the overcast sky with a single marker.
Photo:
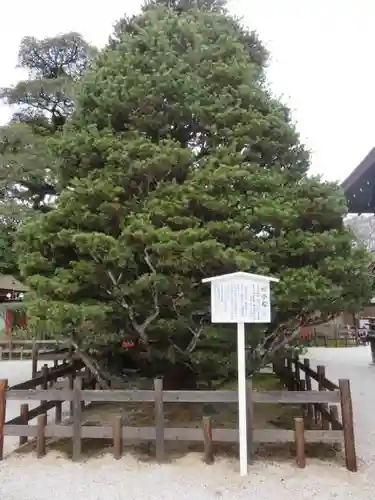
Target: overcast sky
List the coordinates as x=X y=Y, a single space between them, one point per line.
x=322 y=62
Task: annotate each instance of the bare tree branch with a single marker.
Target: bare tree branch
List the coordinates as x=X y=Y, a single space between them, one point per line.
x=196 y=333
x=140 y=328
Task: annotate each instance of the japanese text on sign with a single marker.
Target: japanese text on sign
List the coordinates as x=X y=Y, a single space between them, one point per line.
x=240 y=301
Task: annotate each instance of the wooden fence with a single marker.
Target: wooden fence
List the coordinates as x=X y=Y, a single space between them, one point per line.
x=48 y=377
x=298 y=376
x=77 y=430
x=341 y=338
x=46 y=350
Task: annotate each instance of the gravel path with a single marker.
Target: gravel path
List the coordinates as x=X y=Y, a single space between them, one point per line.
x=354 y=363
x=17 y=372
x=56 y=478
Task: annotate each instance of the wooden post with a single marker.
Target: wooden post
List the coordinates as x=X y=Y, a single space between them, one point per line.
x=297 y=374
x=3 y=388
x=250 y=418
x=71 y=351
x=310 y=407
x=207 y=438
x=24 y=415
x=334 y=412
x=55 y=363
x=289 y=374
x=58 y=412
x=159 y=419
x=45 y=374
x=302 y=387
x=21 y=353
x=347 y=423
x=321 y=372
x=10 y=350
x=41 y=436
x=71 y=387
x=34 y=360
x=299 y=436
x=372 y=347
x=77 y=418
x=117 y=437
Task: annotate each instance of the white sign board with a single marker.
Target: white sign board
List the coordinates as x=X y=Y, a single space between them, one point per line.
x=241 y=298
x=240 y=301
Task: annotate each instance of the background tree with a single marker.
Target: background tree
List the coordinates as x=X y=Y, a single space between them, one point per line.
x=363 y=227
x=178 y=164
x=43 y=103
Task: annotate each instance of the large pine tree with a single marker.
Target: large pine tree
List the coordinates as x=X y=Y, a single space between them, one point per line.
x=178 y=164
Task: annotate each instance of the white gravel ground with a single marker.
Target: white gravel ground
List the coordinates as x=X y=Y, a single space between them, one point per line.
x=56 y=478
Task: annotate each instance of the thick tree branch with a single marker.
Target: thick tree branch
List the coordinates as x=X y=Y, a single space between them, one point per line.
x=140 y=328
x=196 y=333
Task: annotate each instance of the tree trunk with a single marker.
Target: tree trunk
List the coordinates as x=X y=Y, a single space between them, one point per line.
x=179 y=377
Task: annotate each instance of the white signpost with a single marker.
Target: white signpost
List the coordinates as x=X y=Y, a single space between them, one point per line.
x=241 y=298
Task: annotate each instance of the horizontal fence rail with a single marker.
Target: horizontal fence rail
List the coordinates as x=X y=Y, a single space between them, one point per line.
x=48 y=350
x=141 y=396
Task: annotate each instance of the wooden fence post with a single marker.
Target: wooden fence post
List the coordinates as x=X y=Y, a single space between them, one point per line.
x=58 y=412
x=71 y=387
x=297 y=374
x=207 y=438
x=77 y=419
x=321 y=372
x=45 y=374
x=159 y=419
x=302 y=387
x=24 y=415
x=348 y=426
x=3 y=388
x=250 y=418
x=334 y=412
x=71 y=351
x=299 y=436
x=289 y=373
x=310 y=407
x=41 y=436
x=117 y=437
x=34 y=360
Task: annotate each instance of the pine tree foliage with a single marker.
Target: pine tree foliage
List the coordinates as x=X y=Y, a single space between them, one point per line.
x=42 y=104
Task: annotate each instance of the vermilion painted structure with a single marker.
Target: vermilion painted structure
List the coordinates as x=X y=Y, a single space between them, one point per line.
x=11 y=309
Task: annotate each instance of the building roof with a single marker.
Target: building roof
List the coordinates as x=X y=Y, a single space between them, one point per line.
x=359 y=186
x=9 y=283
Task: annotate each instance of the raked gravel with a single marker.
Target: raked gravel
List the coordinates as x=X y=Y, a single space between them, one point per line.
x=54 y=477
